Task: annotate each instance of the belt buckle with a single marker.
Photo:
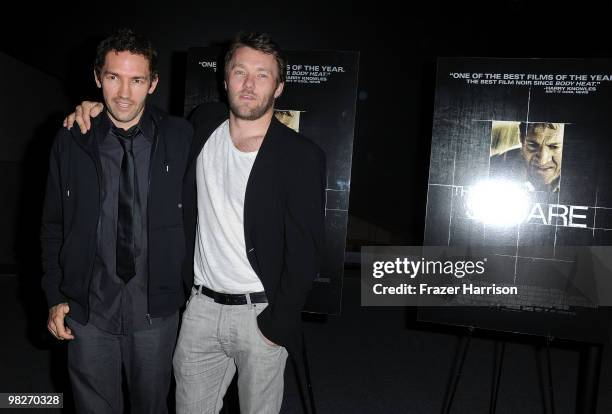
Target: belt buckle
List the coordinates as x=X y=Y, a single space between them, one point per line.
x=231 y=299
x=222 y=299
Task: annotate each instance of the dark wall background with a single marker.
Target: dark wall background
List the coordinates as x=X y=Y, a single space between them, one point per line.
x=31 y=105
x=46 y=55
x=398 y=45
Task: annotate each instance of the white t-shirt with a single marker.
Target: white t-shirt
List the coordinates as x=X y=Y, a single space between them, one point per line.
x=220 y=261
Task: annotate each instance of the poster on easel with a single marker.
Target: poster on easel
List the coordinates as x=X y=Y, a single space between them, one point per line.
x=521 y=165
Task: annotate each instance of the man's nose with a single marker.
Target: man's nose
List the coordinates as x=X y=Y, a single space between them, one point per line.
x=124 y=90
x=543 y=156
x=249 y=82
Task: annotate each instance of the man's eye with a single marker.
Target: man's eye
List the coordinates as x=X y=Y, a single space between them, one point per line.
x=262 y=76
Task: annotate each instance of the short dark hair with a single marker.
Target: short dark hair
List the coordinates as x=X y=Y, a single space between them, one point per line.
x=526 y=127
x=261 y=42
x=125 y=40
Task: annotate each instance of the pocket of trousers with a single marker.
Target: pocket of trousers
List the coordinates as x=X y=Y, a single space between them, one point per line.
x=257 y=309
x=192 y=297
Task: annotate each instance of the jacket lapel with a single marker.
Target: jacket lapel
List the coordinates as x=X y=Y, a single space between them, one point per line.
x=259 y=178
x=205 y=120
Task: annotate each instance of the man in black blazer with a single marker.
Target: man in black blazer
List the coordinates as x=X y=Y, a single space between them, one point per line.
x=280 y=206
x=254 y=207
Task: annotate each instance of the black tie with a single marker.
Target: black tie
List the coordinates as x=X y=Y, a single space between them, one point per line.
x=128 y=213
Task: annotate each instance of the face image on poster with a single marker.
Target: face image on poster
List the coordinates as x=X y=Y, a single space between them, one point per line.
x=529 y=153
x=319 y=102
x=289 y=118
x=521 y=165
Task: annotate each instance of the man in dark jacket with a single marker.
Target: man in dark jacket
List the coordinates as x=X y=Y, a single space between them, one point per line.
x=113 y=239
x=254 y=197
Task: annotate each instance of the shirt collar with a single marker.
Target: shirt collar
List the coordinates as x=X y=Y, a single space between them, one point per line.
x=145 y=124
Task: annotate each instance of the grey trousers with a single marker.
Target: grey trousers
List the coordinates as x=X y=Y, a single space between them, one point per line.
x=216 y=340
x=96 y=359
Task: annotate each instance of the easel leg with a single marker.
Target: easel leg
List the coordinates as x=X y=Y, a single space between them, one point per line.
x=588 y=379
x=308 y=380
x=499 y=363
x=549 y=388
x=459 y=356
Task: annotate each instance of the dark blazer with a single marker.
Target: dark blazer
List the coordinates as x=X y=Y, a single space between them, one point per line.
x=72 y=208
x=284 y=212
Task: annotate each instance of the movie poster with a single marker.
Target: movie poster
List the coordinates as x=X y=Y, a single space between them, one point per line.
x=521 y=165
x=318 y=101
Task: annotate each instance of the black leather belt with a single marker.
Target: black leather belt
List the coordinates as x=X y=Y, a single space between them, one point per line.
x=232 y=298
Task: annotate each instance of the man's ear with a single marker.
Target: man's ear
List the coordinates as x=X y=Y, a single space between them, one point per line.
x=153 y=84
x=98 y=83
x=279 y=90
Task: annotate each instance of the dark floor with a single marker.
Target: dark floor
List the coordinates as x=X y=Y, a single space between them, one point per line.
x=368 y=360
